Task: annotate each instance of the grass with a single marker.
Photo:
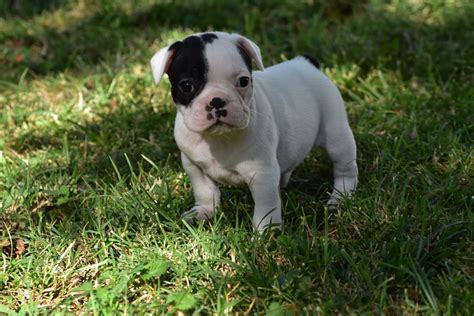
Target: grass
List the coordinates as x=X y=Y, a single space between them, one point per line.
x=91 y=187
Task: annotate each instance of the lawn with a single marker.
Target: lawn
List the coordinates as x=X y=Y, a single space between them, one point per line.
x=91 y=185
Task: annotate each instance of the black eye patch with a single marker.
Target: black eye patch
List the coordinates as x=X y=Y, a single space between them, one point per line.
x=188 y=67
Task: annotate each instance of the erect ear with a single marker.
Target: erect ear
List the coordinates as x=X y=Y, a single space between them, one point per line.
x=161 y=61
x=251 y=49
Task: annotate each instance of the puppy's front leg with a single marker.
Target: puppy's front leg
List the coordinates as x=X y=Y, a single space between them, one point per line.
x=206 y=193
x=266 y=195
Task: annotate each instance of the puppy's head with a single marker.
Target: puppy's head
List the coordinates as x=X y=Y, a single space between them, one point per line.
x=211 y=79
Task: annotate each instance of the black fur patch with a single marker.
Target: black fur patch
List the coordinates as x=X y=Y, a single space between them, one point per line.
x=312 y=60
x=208 y=38
x=189 y=63
x=246 y=58
x=175 y=45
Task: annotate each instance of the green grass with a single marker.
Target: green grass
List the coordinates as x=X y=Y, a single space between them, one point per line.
x=91 y=182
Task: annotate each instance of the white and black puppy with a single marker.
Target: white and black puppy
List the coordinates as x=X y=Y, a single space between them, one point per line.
x=238 y=127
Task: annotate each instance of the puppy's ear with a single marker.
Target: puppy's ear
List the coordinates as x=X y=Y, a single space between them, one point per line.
x=251 y=49
x=161 y=61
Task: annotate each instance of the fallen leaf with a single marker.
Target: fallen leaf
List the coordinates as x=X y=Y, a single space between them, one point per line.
x=4 y=243
x=19 y=58
x=20 y=247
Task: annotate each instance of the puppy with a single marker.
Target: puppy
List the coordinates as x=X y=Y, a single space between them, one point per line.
x=238 y=127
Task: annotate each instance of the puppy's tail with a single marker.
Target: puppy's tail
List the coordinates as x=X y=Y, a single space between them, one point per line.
x=313 y=61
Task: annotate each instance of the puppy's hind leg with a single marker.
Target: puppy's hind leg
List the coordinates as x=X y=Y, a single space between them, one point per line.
x=341 y=148
x=285 y=179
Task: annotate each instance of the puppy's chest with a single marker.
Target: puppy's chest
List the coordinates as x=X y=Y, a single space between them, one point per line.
x=220 y=173
x=219 y=169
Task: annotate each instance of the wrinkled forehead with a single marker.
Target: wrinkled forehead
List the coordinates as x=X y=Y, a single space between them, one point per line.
x=225 y=59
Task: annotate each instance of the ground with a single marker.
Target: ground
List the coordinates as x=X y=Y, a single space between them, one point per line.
x=91 y=186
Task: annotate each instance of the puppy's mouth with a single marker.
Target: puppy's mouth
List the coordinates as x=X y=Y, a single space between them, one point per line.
x=219 y=127
x=220 y=123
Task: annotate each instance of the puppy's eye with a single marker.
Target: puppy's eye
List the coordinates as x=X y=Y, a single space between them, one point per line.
x=243 y=82
x=186 y=86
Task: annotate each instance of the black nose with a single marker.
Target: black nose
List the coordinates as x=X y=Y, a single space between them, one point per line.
x=217 y=103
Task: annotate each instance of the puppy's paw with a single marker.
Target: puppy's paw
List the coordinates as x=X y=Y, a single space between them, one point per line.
x=333 y=202
x=270 y=228
x=268 y=234
x=271 y=221
x=337 y=198
x=198 y=213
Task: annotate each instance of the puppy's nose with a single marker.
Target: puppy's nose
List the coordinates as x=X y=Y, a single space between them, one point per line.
x=217 y=103
x=220 y=113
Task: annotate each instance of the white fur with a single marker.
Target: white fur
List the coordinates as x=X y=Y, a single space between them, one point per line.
x=292 y=108
x=160 y=62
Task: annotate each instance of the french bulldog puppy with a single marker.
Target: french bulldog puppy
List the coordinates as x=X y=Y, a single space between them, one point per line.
x=239 y=127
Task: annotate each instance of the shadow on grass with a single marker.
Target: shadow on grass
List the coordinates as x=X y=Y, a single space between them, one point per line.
x=336 y=33
x=110 y=30
x=24 y=10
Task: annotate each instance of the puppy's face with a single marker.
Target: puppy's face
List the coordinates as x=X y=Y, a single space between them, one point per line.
x=211 y=79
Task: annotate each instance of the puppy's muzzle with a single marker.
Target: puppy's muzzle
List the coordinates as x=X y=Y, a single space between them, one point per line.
x=216 y=108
